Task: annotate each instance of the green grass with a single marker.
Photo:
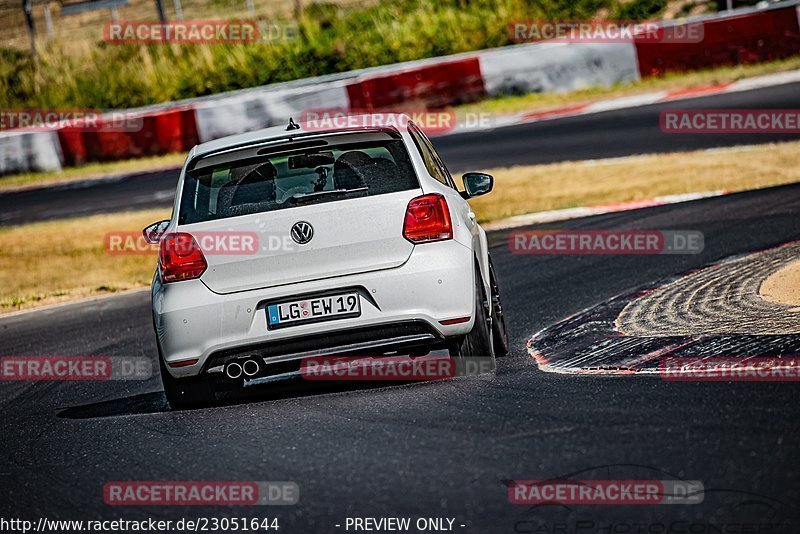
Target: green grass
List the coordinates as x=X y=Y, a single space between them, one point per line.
x=330 y=38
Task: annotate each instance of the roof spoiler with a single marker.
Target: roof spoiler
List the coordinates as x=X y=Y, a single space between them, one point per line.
x=305 y=137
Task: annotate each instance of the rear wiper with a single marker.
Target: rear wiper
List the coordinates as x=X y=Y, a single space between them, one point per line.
x=300 y=197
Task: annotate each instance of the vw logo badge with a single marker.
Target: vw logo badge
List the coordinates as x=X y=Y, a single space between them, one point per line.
x=302 y=232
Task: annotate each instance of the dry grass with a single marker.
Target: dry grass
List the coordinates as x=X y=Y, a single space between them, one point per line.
x=526 y=189
x=47 y=262
x=44 y=263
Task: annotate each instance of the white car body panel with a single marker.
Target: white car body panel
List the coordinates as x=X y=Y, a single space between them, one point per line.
x=193 y=322
x=342 y=243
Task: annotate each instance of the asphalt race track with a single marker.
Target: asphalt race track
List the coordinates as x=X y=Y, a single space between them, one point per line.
x=444 y=449
x=602 y=135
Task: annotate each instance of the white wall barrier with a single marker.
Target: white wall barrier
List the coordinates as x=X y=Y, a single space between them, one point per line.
x=260 y=109
x=557 y=67
x=29 y=151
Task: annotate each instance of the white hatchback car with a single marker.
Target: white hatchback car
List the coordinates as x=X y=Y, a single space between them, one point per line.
x=289 y=243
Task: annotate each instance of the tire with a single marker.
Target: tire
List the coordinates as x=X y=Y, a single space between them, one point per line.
x=184 y=393
x=478 y=342
x=499 y=332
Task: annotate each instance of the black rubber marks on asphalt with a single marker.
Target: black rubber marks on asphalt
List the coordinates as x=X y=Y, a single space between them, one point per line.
x=713 y=312
x=720 y=299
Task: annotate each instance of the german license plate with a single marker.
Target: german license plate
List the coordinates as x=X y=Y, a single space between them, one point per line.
x=313 y=310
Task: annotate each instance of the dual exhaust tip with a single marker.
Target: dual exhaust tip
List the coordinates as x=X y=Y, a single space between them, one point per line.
x=237 y=368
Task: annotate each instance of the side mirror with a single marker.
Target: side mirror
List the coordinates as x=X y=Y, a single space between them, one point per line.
x=477 y=183
x=153 y=233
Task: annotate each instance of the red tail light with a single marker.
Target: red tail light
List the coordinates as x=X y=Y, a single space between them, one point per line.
x=427 y=219
x=180 y=258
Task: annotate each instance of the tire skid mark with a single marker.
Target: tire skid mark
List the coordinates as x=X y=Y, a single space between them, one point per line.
x=591 y=342
x=719 y=300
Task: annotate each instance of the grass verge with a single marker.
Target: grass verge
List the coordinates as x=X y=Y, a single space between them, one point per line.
x=48 y=262
x=527 y=189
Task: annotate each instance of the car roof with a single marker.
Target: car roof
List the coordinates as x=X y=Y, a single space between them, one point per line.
x=277 y=132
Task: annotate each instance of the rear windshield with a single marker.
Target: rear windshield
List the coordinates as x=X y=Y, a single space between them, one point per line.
x=297 y=178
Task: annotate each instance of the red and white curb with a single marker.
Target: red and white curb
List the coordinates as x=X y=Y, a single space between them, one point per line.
x=627 y=102
x=600 y=209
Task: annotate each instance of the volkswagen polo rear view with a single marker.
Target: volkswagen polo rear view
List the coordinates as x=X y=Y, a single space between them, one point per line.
x=289 y=244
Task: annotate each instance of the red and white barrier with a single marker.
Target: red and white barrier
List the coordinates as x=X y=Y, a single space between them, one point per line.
x=644 y=99
x=157 y=132
x=747 y=36
x=743 y=36
x=448 y=81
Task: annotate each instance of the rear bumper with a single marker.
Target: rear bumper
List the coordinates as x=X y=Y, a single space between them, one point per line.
x=435 y=284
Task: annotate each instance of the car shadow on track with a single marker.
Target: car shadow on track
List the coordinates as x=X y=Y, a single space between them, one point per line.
x=145 y=403
x=155 y=402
